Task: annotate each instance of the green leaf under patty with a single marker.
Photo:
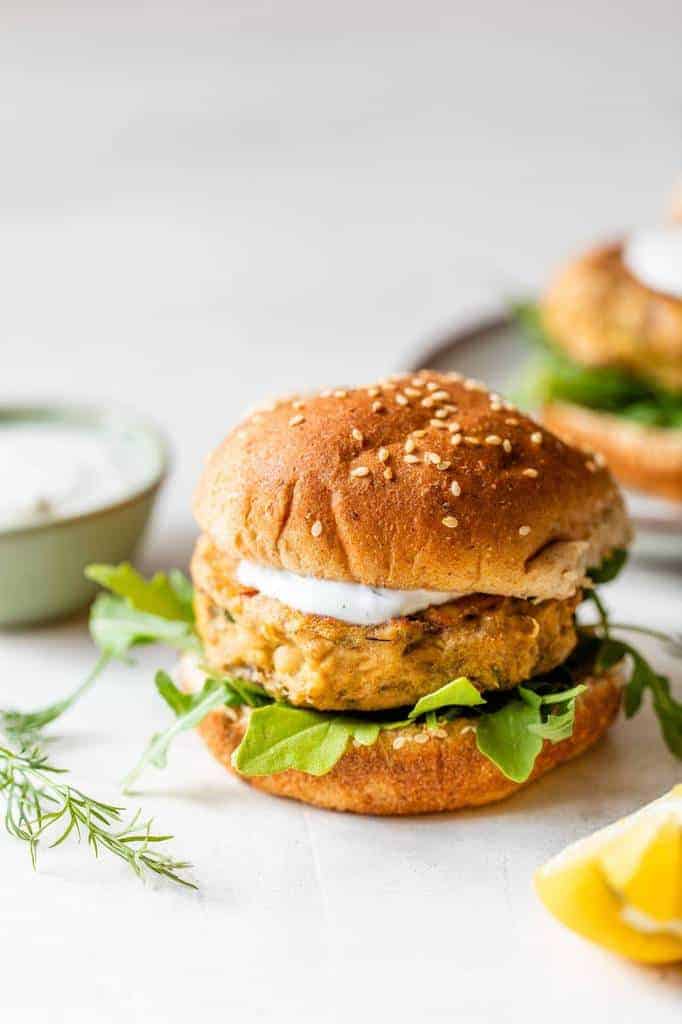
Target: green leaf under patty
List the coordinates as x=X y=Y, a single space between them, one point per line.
x=505 y=738
x=457 y=692
x=281 y=737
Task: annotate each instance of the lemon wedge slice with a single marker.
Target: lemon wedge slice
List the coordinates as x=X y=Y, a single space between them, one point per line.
x=622 y=886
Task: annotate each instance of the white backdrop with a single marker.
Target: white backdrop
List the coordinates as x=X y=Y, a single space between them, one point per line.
x=205 y=203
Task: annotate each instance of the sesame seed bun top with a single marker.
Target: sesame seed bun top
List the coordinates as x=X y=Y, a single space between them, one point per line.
x=421 y=481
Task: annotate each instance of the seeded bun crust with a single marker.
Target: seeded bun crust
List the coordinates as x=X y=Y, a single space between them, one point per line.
x=648 y=459
x=604 y=316
x=444 y=773
x=423 y=481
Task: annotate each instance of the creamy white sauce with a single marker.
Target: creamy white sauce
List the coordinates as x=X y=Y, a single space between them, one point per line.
x=655 y=258
x=52 y=471
x=350 y=602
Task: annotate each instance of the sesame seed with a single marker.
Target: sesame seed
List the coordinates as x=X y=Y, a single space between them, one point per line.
x=440 y=733
x=470 y=439
x=418 y=433
x=427 y=402
x=471 y=384
x=431 y=385
x=418 y=382
x=412 y=392
x=438 y=424
x=432 y=457
x=455 y=489
x=453 y=375
x=450 y=522
x=507 y=445
x=454 y=427
x=398 y=742
x=410 y=445
x=592 y=466
x=388 y=473
x=422 y=737
x=493 y=439
x=524 y=531
x=530 y=472
x=295 y=420
x=441 y=396
x=456 y=439
x=536 y=437
x=495 y=406
x=599 y=459
x=357 y=435
x=444 y=465
x=449 y=407
x=316 y=528
x=378 y=406
x=383 y=454
x=401 y=400
x=373 y=392
x=340 y=393
x=360 y=471
x=512 y=421
x=441 y=414
x=411 y=459
x=327 y=393
x=298 y=404
x=509 y=406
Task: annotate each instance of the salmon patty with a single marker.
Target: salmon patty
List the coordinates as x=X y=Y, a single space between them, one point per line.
x=315 y=661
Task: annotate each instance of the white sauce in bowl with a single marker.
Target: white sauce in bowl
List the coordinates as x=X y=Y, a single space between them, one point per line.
x=354 y=603
x=52 y=470
x=654 y=257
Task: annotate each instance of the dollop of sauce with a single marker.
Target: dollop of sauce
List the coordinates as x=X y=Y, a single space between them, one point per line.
x=354 y=603
x=53 y=471
x=654 y=257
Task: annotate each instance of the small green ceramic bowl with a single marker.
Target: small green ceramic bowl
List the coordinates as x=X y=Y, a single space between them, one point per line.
x=41 y=565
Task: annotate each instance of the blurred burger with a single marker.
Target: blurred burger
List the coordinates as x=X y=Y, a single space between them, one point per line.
x=389 y=576
x=608 y=374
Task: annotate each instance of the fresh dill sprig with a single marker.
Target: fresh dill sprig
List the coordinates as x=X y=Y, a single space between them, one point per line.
x=39 y=805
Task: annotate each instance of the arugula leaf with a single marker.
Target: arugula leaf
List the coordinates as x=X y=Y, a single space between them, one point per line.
x=642 y=678
x=505 y=738
x=168 y=596
x=609 y=568
x=191 y=709
x=458 y=691
x=558 y=725
x=116 y=626
x=281 y=737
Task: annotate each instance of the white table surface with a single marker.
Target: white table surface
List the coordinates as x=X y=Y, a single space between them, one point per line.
x=204 y=204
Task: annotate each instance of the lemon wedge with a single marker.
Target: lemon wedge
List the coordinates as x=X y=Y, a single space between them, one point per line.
x=622 y=886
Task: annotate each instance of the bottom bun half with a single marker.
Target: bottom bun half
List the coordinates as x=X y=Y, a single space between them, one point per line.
x=648 y=459
x=444 y=772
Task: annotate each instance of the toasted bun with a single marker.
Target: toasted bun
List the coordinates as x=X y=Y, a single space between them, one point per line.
x=646 y=458
x=602 y=315
x=359 y=486
x=400 y=774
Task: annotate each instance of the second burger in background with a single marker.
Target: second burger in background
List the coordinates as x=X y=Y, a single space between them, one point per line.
x=608 y=368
